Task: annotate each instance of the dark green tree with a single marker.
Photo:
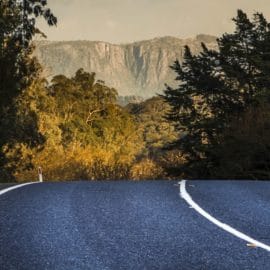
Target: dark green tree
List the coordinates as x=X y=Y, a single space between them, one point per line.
x=215 y=87
x=18 y=69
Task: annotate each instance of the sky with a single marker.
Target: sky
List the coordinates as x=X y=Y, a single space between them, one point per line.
x=124 y=21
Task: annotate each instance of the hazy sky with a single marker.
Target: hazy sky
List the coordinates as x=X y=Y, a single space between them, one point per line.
x=121 y=21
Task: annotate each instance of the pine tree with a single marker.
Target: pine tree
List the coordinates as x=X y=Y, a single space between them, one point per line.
x=215 y=87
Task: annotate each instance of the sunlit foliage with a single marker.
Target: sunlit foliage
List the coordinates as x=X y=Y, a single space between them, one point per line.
x=87 y=135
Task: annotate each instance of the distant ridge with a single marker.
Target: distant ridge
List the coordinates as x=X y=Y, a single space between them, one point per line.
x=140 y=68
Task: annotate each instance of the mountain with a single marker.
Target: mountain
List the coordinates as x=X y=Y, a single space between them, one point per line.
x=140 y=68
x=125 y=100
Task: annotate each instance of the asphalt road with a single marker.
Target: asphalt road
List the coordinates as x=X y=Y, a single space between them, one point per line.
x=6 y=185
x=133 y=225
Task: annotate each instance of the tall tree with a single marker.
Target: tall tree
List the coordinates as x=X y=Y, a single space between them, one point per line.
x=18 y=68
x=215 y=87
x=88 y=136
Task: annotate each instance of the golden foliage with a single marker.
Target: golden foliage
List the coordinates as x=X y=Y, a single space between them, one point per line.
x=87 y=136
x=146 y=169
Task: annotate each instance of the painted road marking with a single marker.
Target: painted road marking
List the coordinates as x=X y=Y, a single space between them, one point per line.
x=15 y=187
x=185 y=195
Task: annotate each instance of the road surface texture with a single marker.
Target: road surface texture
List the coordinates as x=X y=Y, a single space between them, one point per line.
x=6 y=185
x=133 y=225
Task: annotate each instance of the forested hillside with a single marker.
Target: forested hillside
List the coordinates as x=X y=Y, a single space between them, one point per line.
x=213 y=122
x=87 y=135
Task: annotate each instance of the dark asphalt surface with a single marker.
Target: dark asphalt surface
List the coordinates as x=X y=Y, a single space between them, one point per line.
x=243 y=205
x=6 y=185
x=130 y=225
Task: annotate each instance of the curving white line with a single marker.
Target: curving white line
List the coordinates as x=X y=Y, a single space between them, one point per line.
x=185 y=195
x=15 y=187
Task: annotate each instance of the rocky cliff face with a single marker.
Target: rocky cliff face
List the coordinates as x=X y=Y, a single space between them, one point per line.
x=140 y=68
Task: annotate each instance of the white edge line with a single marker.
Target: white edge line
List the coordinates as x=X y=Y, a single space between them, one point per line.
x=185 y=195
x=15 y=187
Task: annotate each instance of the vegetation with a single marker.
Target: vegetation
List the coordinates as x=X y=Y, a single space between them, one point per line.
x=153 y=126
x=215 y=124
x=219 y=106
x=87 y=135
x=17 y=73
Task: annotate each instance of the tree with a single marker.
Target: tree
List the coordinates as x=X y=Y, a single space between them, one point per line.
x=87 y=135
x=216 y=87
x=244 y=152
x=82 y=104
x=155 y=129
x=18 y=69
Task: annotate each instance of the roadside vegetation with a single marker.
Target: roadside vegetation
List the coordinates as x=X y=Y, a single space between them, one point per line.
x=215 y=124
x=221 y=107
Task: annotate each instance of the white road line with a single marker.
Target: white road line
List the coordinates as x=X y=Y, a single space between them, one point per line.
x=15 y=187
x=185 y=195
